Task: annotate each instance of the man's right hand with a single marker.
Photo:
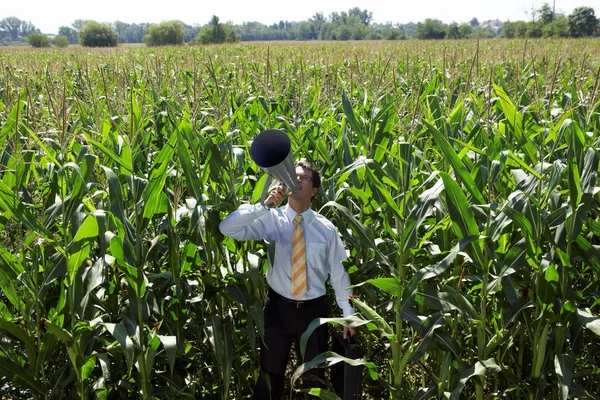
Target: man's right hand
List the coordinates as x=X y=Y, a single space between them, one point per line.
x=275 y=197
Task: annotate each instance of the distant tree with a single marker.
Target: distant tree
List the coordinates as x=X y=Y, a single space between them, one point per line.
x=359 y=31
x=317 y=21
x=557 y=28
x=545 y=14
x=521 y=29
x=190 y=32
x=11 y=26
x=474 y=22
x=392 y=34
x=166 y=33
x=131 y=33
x=364 y=16
x=509 y=30
x=339 y=18
x=534 y=29
x=344 y=33
x=216 y=32
x=94 y=34
x=431 y=29
x=582 y=22
x=453 y=32
x=69 y=33
x=27 y=28
x=304 y=31
x=38 y=40
x=326 y=32
x=80 y=23
x=61 y=41
x=465 y=31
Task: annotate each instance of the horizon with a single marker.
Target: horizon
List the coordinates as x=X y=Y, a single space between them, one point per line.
x=48 y=17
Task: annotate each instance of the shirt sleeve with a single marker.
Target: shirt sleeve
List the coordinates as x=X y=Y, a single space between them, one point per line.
x=248 y=222
x=338 y=276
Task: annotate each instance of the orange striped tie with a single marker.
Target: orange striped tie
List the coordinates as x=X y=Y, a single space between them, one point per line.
x=298 y=287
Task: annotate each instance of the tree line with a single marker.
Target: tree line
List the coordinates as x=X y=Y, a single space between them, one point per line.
x=354 y=24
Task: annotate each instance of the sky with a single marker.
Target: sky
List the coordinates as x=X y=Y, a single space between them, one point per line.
x=49 y=15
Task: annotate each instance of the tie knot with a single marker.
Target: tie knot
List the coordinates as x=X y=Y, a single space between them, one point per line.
x=298 y=219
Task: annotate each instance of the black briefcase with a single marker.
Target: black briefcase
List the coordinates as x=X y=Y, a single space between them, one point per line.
x=345 y=378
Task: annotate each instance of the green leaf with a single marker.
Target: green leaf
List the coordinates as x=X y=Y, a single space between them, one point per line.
x=431 y=324
x=423 y=207
x=458 y=206
x=563 y=365
x=478 y=369
x=88 y=367
x=388 y=285
x=123 y=162
x=20 y=376
x=221 y=338
x=523 y=165
x=7 y=282
x=589 y=321
x=432 y=271
x=516 y=121
x=154 y=200
x=373 y=316
x=328 y=359
x=79 y=248
x=119 y=332
x=170 y=344
x=356 y=127
x=61 y=334
x=352 y=321
x=459 y=169
x=11 y=202
x=463 y=219
x=321 y=393
x=193 y=182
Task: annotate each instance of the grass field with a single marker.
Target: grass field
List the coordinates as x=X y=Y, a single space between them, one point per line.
x=462 y=176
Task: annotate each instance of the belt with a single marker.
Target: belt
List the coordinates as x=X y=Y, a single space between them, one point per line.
x=298 y=304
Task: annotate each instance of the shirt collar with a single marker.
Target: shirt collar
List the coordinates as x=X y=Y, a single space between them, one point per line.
x=307 y=215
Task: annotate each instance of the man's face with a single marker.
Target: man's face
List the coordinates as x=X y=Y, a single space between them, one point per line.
x=305 y=184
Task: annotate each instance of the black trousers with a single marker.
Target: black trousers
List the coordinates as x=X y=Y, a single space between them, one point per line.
x=284 y=325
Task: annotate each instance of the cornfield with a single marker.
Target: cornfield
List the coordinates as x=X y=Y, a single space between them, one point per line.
x=462 y=176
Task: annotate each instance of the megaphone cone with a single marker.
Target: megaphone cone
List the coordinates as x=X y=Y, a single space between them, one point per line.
x=272 y=150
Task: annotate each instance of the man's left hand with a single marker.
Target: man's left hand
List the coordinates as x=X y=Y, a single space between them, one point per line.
x=347 y=330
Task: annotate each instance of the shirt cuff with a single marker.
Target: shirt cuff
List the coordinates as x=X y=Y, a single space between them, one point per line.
x=348 y=311
x=259 y=209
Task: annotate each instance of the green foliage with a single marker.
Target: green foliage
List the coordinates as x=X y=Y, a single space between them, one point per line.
x=430 y=29
x=61 y=41
x=94 y=34
x=470 y=217
x=38 y=40
x=557 y=28
x=166 y=33
x=545 y=14
x=13 y=31
x=583 y=22
x=69 y=33
x=452 y=31
x=216 y=32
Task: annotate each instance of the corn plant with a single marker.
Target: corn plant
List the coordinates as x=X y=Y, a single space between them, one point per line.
x=462 y=177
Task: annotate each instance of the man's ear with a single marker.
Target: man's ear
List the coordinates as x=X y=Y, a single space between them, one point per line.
x=314 y=192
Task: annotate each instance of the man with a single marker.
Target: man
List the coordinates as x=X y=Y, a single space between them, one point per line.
x=308 y=250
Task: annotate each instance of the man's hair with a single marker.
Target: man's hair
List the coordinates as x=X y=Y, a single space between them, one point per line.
x=316 y=176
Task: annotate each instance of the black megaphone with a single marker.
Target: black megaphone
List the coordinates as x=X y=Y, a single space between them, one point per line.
x=272 y=151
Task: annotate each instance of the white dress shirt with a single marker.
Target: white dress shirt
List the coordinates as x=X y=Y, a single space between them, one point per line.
x=324 y=249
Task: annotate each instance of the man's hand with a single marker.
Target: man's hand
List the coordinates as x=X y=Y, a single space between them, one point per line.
x=347 y=330
x=275 y=197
